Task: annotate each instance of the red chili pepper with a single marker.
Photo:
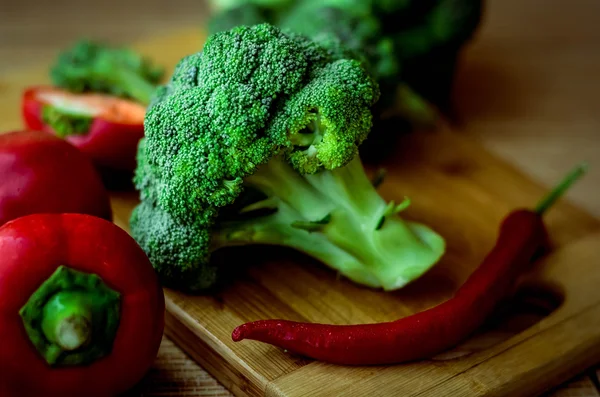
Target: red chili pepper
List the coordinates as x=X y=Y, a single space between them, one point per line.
x=41 y=173
x=81 y=308
x=522 y=235
x=105 y=128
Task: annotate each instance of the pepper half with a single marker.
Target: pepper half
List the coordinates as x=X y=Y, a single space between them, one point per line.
x=107 y=129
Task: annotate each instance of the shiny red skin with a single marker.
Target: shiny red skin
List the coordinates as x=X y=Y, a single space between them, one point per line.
x=109 y=143
x=42 y=173
x=31 y=248
x=425 y=334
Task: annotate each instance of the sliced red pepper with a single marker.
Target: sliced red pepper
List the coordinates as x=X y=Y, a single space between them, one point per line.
x=41 y=173
x=81 y=308
x=105 y=128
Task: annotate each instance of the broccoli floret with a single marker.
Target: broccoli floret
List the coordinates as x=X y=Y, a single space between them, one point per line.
x=353 y=27
x=358 y=33
x=255 y=141
x=95 y=67
x=430 y=63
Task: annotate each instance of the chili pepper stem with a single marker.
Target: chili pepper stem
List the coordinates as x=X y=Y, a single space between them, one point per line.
x=561 y=188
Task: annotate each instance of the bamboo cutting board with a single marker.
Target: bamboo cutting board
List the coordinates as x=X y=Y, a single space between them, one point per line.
x=463 y=192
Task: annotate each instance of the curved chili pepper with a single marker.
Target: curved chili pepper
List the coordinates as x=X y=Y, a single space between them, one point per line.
x=522 y=235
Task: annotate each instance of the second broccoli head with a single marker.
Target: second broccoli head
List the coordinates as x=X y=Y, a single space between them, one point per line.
x=90 y=66
x=255 y=140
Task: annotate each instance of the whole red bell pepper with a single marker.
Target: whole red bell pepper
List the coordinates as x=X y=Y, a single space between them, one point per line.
x=106 y=128
x=81 y=308
x=42 y=173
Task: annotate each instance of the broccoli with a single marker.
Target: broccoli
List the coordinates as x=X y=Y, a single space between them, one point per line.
x=254 y=140
x=430 y=50
x=411 y=46
x=95 y=67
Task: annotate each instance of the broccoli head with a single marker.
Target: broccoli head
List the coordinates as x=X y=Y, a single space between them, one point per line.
x=255 y=140
x=90 y=66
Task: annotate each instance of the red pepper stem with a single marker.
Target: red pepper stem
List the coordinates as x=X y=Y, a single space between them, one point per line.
x=67 y=320
x=561 y=188
x=72 y=318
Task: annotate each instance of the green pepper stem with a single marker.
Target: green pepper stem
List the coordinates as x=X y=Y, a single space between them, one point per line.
x=67 y=320
x=561 y=188
x=72 y=318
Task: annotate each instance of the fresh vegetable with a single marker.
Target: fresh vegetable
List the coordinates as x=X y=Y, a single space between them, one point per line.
x=255 y=141
x=105 y=128
x=430 y=50
x=410 y=46
x=41 y=173
x=522 y=236
x=90 y=66
x=81 y=309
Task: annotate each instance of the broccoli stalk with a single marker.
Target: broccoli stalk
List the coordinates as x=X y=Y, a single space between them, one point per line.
x=338 y=218
x=255 y=140
x=94 y=67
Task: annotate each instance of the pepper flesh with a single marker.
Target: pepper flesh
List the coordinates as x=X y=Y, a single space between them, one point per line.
x=113 y=133
x=40 y=173
x=521 y=237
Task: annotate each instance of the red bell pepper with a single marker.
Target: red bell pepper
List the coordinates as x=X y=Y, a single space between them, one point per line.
x=81 y=308
x=104 y=127
x=41 y=173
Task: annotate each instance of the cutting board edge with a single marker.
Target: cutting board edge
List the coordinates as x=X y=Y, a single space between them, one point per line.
x=224 y=370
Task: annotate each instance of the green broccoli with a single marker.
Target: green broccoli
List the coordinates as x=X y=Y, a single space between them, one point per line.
x=255 y=140
x=411 y=46
x=430 y=49
x=352 y=25
x=94 y=67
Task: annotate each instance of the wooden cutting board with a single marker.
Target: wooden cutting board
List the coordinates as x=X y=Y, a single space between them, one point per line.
x=463 y=192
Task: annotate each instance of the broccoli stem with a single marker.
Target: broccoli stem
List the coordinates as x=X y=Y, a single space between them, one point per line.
x=336 y=217
x=134 y=85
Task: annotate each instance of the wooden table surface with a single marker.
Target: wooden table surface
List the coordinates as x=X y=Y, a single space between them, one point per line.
x=503 y=76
